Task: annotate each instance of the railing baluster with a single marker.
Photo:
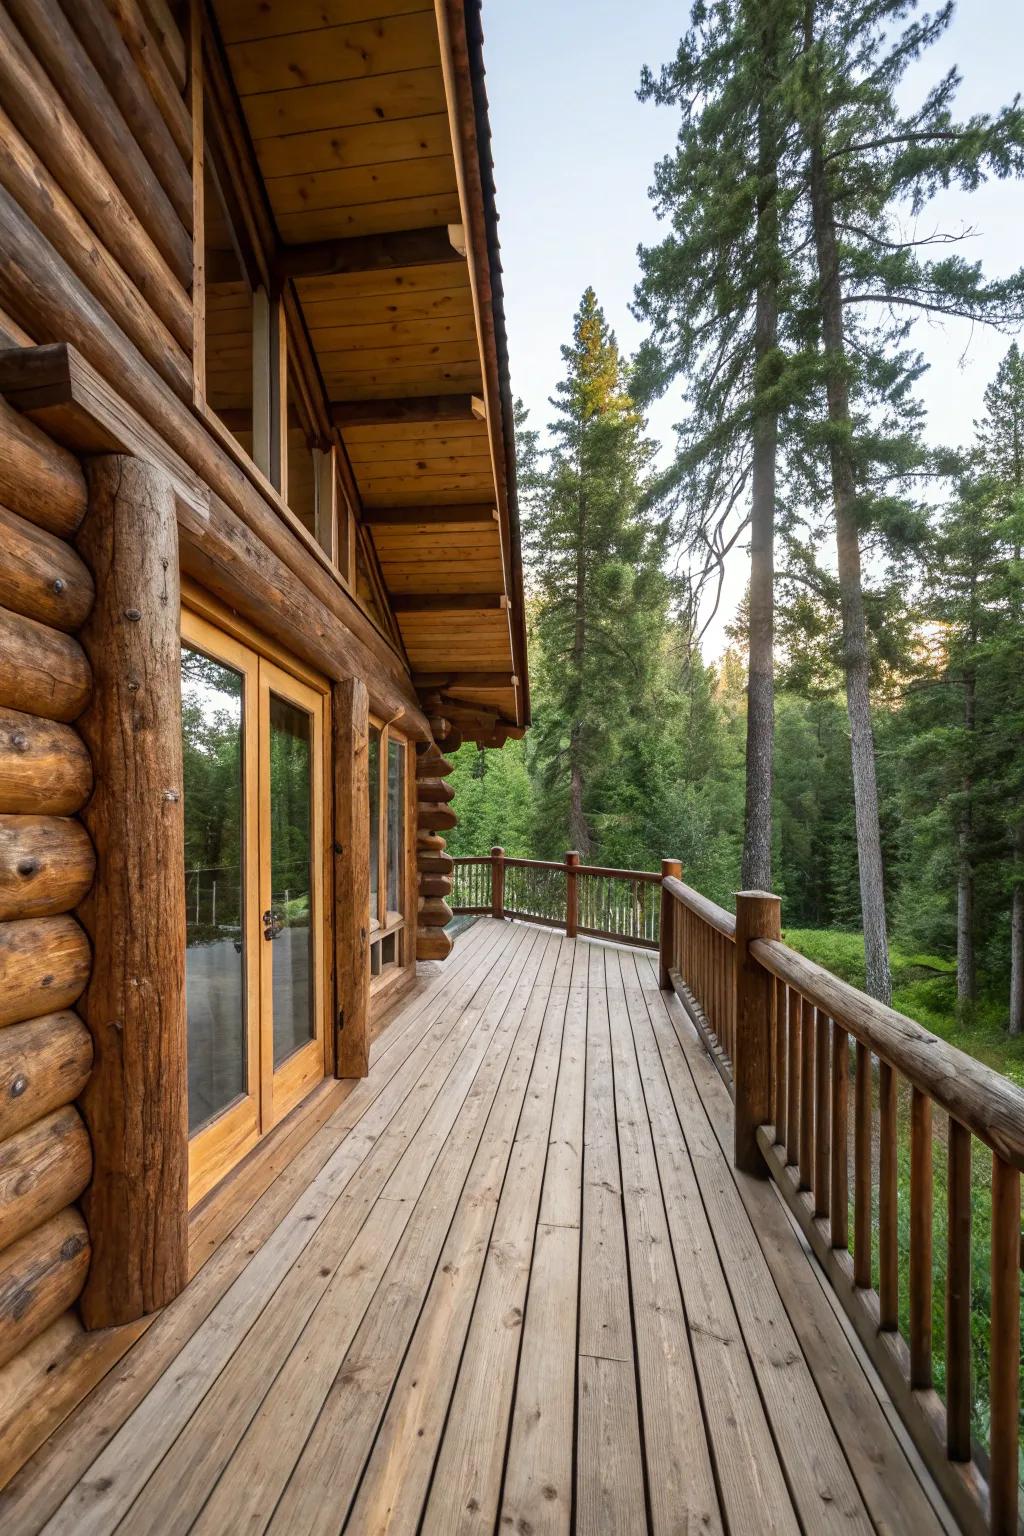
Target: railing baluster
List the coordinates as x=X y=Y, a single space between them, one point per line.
x=793 y=1074
x=781 y=1050
x=807 y=1013
x=862 y=1168
x=958 y=1294
x=1004 y=1365
x=920 y=1239
x=822 y=1113
x=840 y=1182
x=888 y=1214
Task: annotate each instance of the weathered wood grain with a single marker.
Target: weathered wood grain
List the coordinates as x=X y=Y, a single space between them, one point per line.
x=42 y=671
x=42 y=1169
x=44 y=965
x=44 y=766
x=46 y=865
x=44 y=1064
x=136 y=1100
x=41 y=1275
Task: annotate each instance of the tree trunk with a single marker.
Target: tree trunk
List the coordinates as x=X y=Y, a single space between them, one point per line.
x=1017 y=936
x=966 y=973
x=579 y=831
x=854 y=624
x=757 y=830
x=966 y=977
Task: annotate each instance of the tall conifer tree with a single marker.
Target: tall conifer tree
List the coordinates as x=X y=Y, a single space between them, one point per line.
x=866 y=163
x=596 y=560
x=712 y=291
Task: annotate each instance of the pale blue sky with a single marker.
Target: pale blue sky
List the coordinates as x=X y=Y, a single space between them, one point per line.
x=574 y=152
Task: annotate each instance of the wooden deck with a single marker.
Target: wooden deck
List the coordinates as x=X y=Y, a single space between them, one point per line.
x=511 y=1283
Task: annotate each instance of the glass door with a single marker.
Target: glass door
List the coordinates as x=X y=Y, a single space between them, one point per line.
x=291 y=886
x=253 y=744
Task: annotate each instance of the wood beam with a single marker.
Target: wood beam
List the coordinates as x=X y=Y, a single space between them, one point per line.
x=443 y=680
x=426 y=517
x=448 y=602
x=414 y=408
x=373 y=253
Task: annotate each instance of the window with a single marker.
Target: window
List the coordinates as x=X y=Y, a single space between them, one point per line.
x=388 y=809
x=229 y=375
x=299 y=481
x=253 y=744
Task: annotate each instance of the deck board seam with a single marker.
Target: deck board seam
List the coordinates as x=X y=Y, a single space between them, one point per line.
x=380 y=1197
x=543 y=941
x=508 y=949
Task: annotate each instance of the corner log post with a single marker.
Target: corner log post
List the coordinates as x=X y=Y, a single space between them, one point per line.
x=350 y=724
x=135 y=1103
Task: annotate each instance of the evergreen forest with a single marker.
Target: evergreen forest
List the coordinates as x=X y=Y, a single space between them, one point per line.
x=857 y=746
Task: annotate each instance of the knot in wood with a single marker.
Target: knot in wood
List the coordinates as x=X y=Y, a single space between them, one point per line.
x=28 y=866
x=58 y=586
x=132 y=615
x=18 y=1086
x=19 y=741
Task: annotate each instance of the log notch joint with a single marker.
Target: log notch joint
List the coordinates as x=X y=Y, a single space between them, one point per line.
x=433 y=817
x=136 y=1103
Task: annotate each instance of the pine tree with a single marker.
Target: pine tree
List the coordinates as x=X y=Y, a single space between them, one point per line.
x=1000 y=440
x=712 y=292
x=596 y=562
x=865 y=161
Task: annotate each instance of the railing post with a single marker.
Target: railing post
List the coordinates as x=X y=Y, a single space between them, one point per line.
x=758 y=916
x=572 y=905
x=497 y=882
x=666 y=924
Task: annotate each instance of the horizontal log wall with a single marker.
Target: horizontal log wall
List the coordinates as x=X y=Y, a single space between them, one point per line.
x=434 y=865
x=46 y=869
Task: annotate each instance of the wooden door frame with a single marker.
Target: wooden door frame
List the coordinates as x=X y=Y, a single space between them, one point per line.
x=229 y=1135
x=283 y=1087
x=218 y=632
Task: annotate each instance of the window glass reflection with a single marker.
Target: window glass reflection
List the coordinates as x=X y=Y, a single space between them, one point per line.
x=212 y=737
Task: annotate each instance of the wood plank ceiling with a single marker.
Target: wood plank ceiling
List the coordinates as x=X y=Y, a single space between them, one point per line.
x=350 y=116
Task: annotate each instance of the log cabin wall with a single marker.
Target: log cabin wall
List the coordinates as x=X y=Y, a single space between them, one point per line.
x=101 y=353
x=46 y=869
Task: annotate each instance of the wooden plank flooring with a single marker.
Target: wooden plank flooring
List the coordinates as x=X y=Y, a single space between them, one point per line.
x=510 y=1284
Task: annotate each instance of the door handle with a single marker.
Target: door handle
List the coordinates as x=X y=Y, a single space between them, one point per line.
x=271 y=924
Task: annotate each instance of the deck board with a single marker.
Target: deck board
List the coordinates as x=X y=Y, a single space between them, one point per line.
x=510 y=1283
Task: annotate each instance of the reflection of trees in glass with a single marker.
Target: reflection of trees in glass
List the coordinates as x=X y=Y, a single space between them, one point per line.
x=211 y=714
x=374 y=776
x=290 y=810
x=396 y=822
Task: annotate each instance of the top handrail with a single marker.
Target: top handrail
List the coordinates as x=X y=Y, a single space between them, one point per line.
x=708 y=911
x=651 y=877
x=984 y=1101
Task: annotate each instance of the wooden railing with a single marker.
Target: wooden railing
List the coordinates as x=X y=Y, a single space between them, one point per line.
x=622 y=904
x=797 y=1045
x=845 y=1103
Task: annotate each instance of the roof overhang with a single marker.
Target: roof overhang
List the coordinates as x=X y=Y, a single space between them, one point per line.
x=369 y=125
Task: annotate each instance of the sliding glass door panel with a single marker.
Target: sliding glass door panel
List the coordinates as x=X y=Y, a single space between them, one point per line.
x=219 y=705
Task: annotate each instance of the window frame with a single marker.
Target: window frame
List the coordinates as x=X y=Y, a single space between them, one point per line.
x=385 y=923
